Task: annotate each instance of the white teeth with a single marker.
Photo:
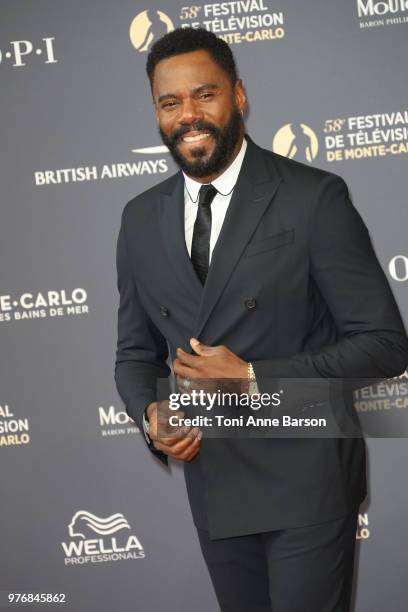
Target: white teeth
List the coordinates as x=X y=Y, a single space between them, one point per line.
x=195 y=138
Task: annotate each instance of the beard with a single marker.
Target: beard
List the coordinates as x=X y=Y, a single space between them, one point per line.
x=226 y=139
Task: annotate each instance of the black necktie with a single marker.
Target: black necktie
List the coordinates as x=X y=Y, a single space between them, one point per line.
x=200 y=247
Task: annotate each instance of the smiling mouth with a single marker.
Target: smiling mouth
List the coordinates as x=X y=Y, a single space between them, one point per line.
x=195 y=137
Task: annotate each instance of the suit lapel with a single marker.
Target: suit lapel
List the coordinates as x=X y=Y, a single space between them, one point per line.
x=254 y=190
x=171 y=222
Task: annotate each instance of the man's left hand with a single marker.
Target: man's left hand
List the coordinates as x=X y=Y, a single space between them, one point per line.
x=209 y=362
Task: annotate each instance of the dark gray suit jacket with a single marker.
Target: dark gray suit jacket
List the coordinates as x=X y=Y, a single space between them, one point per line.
x=294 y=287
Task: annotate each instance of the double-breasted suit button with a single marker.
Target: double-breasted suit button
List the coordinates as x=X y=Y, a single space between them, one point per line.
x=250 y=303
x=164 y=311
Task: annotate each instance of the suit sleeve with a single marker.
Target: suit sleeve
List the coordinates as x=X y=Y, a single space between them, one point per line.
x=371 y=342
x=141 y=349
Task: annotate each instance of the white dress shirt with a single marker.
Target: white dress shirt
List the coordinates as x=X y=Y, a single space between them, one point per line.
x=224 y=184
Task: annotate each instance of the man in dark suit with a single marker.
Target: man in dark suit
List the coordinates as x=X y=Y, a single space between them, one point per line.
x=247 y=265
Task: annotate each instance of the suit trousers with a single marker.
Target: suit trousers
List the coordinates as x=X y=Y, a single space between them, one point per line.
x=303 y=569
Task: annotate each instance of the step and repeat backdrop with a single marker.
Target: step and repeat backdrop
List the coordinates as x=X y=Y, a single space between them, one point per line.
x=88 y=516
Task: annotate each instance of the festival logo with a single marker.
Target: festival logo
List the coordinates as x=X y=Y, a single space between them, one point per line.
x=345 y=138
x=296 y=141
x=148 y=26
x=43 y=304
x=390 y=395
x=382 y=407
x=95 y=540
x=244 y=21
x=14 y=431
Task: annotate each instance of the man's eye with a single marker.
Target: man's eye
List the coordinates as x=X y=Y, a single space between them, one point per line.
x=206 y=96
x=169 y=105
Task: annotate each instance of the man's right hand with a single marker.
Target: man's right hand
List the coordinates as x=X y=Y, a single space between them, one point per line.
x=182 y=443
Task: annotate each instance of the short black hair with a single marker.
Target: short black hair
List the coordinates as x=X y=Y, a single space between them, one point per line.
x=185 y=40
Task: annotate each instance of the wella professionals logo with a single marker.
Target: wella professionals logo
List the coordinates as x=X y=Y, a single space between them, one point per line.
x=20 y=53
x=148 y=26
x=94 y=539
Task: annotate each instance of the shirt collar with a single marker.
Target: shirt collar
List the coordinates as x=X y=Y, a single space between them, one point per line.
x=224 y=183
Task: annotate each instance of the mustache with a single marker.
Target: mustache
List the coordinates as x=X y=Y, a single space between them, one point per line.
x=197 y=126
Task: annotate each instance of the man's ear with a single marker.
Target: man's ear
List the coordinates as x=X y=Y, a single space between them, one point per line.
x=240 y=97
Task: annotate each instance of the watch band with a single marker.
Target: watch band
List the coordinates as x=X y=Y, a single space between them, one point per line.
x=146 y=429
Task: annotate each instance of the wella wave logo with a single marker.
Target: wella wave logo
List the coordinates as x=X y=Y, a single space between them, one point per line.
x=87 y=549
x=83 y=520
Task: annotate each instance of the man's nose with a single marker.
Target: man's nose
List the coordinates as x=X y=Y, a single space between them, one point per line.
x=190 y=112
